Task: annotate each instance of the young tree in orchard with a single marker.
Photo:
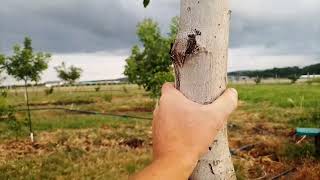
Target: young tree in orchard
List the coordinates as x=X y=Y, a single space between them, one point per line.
x=200 y=55
x=294 y=78
x=68 y=74
x=150 y=66
x=26 y=65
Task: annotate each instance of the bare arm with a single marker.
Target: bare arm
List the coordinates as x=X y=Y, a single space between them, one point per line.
x=183 y=131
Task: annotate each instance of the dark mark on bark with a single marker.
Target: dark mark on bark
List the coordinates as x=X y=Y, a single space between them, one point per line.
x=191 y=44
x=210 y=148
x=189 y=9
x=197 y=32
x=215 y=163
x=174 y=56
x=211 y=168
x=181 y=49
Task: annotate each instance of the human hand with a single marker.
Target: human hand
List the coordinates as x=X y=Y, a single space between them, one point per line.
x=182 y=132
x=185 y=129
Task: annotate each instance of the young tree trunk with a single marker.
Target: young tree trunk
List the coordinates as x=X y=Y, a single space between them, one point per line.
x=200 y=56
x=29 y=113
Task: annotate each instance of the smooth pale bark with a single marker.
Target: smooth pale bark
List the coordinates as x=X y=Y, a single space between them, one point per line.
x=200 y=55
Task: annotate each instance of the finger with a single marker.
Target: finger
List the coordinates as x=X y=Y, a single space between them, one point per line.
x=166 y=87
x=156 y=109
x=226 y=103
x=155 y=114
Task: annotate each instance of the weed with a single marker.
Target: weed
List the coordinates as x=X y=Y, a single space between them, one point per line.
x=55 y=165
x=240 y=171
x=125 y=89
x=74 y=153
x=63 y=137
x=309 y=118
x=19 y=169
x=97 y=89
x=49 y=91
x=298 y=151
x=107 y=97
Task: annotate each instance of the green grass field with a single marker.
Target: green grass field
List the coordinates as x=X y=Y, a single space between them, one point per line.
x=81 y=146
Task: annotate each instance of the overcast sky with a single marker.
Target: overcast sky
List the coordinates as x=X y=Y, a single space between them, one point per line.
x=264 y=33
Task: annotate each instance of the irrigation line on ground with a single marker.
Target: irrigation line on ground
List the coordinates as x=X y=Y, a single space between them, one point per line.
x=85 y=112
x=283 y=173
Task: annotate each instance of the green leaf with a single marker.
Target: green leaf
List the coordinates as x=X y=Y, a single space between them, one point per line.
x=146 y=3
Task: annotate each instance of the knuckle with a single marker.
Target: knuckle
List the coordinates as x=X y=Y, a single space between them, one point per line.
x=162 y=99
x=220 y=116
x=154 y=112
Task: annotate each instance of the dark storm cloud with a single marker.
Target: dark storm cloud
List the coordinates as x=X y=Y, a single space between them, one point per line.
x=72 y=26
x=277 y=36
x=68 y=26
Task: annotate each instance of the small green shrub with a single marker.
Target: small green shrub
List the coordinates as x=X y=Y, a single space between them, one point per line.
x=149 y=105
x=4 y=93
x=49 y=91
x=74 y=153
x=257 y=80
x=240 y=171
x=15 y=126
x=107 y=97
x=63 y=137
x=7 y=113
x=294 y=78
x=97 y=89
x=131 y=168
x=125 y=89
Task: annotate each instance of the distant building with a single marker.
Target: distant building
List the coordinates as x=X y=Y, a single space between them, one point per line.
x=50 y=84
x=309 y=76
x=103 y=82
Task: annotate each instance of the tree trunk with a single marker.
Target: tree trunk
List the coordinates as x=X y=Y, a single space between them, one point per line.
x=29 y=113
x=200 y=56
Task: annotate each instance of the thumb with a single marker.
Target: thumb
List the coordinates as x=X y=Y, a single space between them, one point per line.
x=226 y=103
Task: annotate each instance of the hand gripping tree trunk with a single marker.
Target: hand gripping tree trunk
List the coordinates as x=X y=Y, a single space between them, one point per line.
x=200 y=55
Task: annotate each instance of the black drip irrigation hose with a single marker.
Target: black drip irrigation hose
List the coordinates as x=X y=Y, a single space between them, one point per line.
x=84 y=112
x=285 y=173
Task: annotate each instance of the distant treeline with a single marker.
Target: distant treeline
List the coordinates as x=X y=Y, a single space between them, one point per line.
x=280 y=72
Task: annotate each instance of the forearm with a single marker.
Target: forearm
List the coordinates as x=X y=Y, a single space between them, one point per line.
x=167 y=168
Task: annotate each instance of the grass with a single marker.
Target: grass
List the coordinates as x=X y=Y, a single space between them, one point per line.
x=78 y=146
x=309 y=118
x=77 y=164
x=299 y=152
x=281 y=95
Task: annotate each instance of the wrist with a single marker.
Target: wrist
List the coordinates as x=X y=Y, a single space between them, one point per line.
x=185 y=162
